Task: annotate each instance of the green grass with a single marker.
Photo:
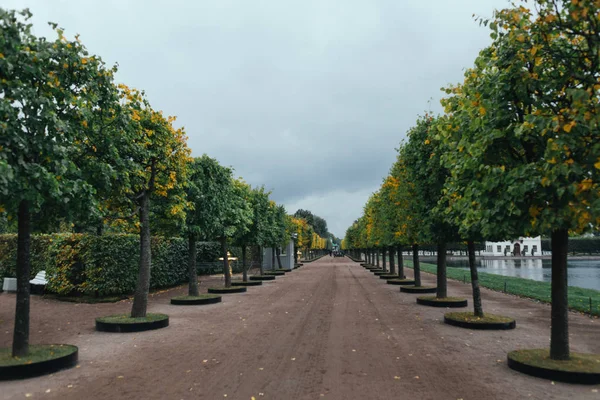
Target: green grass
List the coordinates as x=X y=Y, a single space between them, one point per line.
x=433 y=298
x=579 y=362
x=199 y=297
x=36 y=354
x=126 y=318
x=470 y=317
x=579 y=298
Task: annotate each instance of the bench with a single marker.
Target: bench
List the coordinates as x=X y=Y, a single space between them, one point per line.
x=38 y=283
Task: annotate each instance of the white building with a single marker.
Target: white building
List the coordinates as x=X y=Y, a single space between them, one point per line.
x=286 y=256
x=524 y=246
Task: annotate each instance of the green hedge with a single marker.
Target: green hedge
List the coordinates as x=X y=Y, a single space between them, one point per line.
x=579 y=245
x=103 y=265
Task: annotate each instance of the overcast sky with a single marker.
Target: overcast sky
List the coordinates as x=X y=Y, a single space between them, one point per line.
x=308 y=97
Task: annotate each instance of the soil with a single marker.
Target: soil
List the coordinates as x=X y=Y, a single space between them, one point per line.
x=326 y=331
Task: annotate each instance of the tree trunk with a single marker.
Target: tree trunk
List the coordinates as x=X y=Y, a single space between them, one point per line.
x=295 y=254
x=261 y=256
x=383 y=259
x=416 y=265
x=273 y=258
x=20 y=346
x=244 y=267
x=377 y=257
x=559 y=337
x=278 y=252
x=392 y=261
x=477 y=307
x=442 y=282
x=226 y=270
x=140 y=298
x=400 y=263
x=192 y=272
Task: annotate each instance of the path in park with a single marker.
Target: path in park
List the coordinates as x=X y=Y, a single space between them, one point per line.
x=330 y=330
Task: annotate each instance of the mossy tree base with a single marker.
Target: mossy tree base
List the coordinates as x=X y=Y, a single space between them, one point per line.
x=41 y=360
x=450 y=302
x=487 y=322
x=196 y=300
x=274 y=273
x=381 y=272
x=124 y=323
x=418 y=289
x=581 y=368
x=249 y=283
x=388 y=276
x=227 y=290
x=262 y=278
x=401 y=282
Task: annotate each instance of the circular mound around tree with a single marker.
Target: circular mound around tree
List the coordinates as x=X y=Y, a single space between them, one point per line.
x=418 y=289
x=195 y=300
x=400 y=281
x=41 y=360
x=282 y=270
x=274 y=273
x=388 y=276
x=450 y=302
x=487 y=322
x=249 y=283
x=381 y=272
x=227 y=290
x=262 y=278
x=580 y=368
x=125 y=323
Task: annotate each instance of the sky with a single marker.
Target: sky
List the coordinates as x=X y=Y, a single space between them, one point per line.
x=309 y=98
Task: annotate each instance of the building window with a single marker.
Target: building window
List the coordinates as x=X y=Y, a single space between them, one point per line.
x=283 y=249
x=499 y=248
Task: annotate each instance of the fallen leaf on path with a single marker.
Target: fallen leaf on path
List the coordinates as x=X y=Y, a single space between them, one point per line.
x=28 y=395
x=120 y=377
x=397 y=378
x=48 y=390
x=261 y=369
x=354 y=350
x=69 y=386
x=293 y=358
x=204 y=361
x=417 y=377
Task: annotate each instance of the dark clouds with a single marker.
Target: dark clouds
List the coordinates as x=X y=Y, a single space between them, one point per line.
x=309 y=98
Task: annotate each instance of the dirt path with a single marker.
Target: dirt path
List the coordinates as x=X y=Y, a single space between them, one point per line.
x=329 y=330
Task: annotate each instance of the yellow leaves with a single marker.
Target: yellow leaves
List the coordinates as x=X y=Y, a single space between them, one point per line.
x=1 y=55
x=534 y=211
x=545 y=182
x=569 y=161
x=502 y=168
x=521 y=38
x=427 y=141
x=84 y=60
x=65 y=65
x=2 y=209
x=538 y=61
x=482 y=111
x=567 y=127
x=534 y=51
x=585 y=185
x=84 y=123
x=597 y=164
x=552 y=161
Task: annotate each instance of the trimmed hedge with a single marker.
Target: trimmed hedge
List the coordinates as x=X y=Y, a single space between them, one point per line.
x=83 y=264
x=578 y=245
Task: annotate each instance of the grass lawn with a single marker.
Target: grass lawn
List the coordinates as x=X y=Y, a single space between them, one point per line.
x=37 y=353
x=579 y=298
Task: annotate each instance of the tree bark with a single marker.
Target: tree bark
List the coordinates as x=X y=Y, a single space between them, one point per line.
x=400 y=263
x=192 y=272
x=442 y=282
x=416 y=265
x=392 y=261
x=278 y=252
x=226 y=271
x=20 y=346
x=377 y=257
x=261 y=256
x=477 y=307
x=383 y=258
x=244 y=267
x=140 y=298
x=273 y=258
x=559 y=337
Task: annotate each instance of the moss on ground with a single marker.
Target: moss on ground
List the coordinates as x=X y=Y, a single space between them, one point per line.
x=37 y=353
x=470 y=317
x=445 y=299
x=540 y=358
x=127 y=319
x=199 y=297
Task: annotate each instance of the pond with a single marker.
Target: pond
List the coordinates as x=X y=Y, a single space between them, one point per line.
x=581 y=273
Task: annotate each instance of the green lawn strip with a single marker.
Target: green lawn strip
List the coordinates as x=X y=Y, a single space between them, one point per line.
x=541 y=358
x=126 y=318
x=579 y=298
x=199 y=297
x=85 y=299
x=37 y=353
x=470 y=317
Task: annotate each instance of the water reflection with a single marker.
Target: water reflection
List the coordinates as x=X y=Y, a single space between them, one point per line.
x=581 y=273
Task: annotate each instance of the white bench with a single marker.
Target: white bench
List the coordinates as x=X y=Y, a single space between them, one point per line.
x=38 y=283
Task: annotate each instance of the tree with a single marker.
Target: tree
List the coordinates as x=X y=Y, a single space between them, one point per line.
x=222 y=212
x=532 y=140
x=53 y=92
